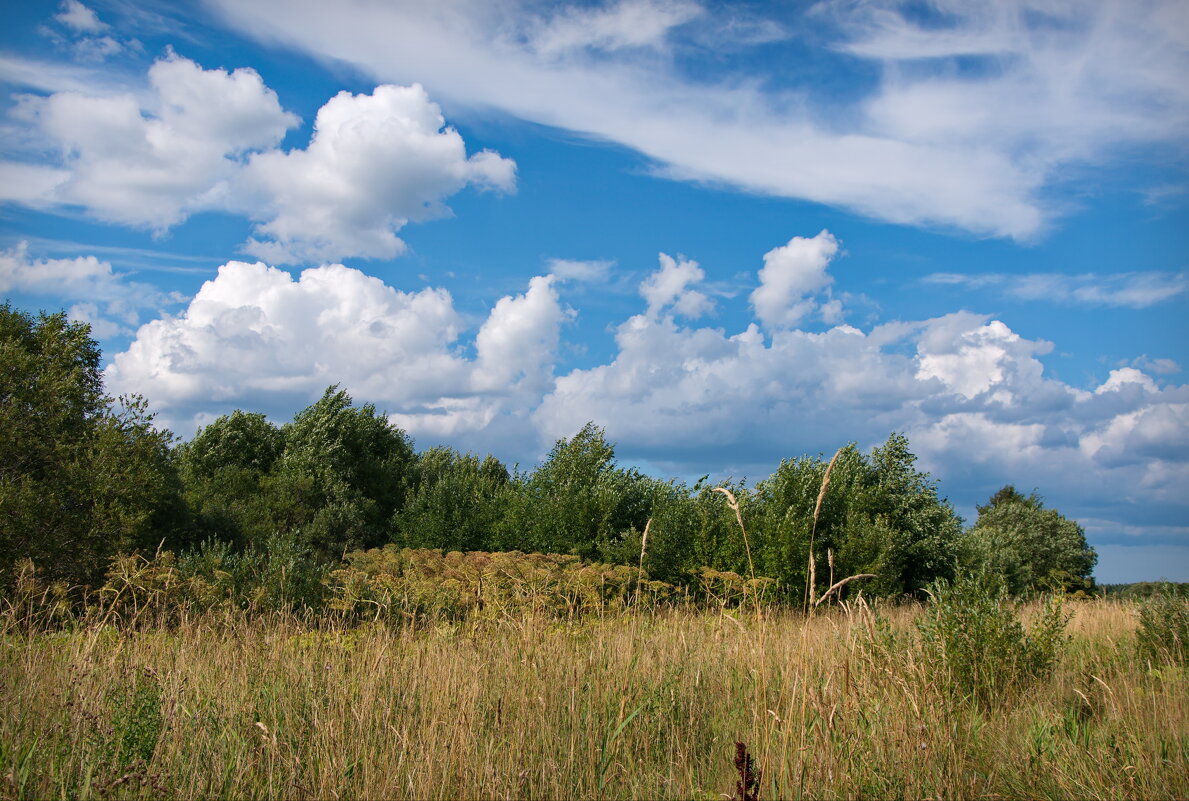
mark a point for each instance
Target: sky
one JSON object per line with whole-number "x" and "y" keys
{"x": 728, "y": 233}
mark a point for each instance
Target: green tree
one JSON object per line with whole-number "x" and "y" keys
{"x": 343, "y": 473}
{"x": 458, "y": 502}
{"x": 879, "y": 515}
{"x": 82, "y": 476}
{"x": 577, "y": 501}
{"x": 1031, "y": 547}
{"x": 224, "y": 469}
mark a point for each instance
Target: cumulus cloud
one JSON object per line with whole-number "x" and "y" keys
{"x": 207, "y": 140}
{"x": 667, "y": 289}
{"x": 517, "y": 344}
{"x": 976, "y": 110}
{"x": 256, "y": 336}
{"x": 106, "y": 299}
{"x": 1136, "y": 290}
{"x": 154, "y": 170}
{"x": 792, "y": 274}
{"x": 374, "y": 163}
{"x": 971, "y": 393}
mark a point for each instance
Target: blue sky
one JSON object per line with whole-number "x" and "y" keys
{"x": 726, "y": 232}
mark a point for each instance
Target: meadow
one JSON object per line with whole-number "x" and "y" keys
{"x": 644, "y": 701}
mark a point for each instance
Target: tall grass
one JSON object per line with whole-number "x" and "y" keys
{"x": 623, "y": 705}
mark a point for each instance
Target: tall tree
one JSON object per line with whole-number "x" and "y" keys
{"x": 577, "y": 500}
{"x": 343, "y": 473}
{"x": 1030, "y": 546}
{"x": 81, "y": 475}
{"x": 458, "y": 502}
{"x": 880, "y": 515}
{"x": 224, "y": 470}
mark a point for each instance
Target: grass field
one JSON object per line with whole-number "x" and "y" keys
{"x": 632, "y": 705}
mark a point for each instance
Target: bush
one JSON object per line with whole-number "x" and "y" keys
{"x": 1163, "y": 634}
{"x": 420, "y": 582}
{"x": 972, "y": 635}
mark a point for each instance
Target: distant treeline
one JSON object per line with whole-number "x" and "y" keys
{"x": 1145, "y": 589}
{"x": 84, "y": 477}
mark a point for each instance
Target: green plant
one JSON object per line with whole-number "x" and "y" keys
{"x": 1163, "y": 634}
{"x": 136, "y": 719}
{"x": 972, "y": 636}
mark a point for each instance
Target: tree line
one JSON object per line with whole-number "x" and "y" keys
{"x": 85, "y": 477}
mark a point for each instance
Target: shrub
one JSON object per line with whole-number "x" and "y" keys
{"x": 1163, "y": 634}
{"x": 423, "y": 582}
{"x": 972, "y": 635}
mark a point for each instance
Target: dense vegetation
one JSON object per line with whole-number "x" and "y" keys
{"x": 85, "y": 478}
{"x": 949, "y": 700}
{"x": 317, "y": 610}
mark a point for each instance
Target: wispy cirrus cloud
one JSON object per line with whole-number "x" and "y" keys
{"x": 975, "y": 110}
{"x": 1135, "y": 290}
{"x": 111, "y": 301}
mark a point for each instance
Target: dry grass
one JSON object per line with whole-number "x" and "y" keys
{"x": 629, "y": 706}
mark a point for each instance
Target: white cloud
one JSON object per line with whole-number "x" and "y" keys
{"x": 791, "y": 275}
{"x": 931, "y": 142}
{"x": 626, "y": 24}
{"x": 1121, "y": 378}
{"x": 667, "y": 289}
{"x": 97, "y": 48}
{"x": 256, "y": 337}
{"x": 375, "y": 162}
{"x": 19, "y": 273}
{"x": 254, "y": 332}
{"x": 85, "y": 279}
{"x": 154, "y": 171}
{"x": 1136, "y": 290}
{"x": 78, "y": 17}
{"x": 29, "y": 184}
{"x": 517, "y": 345}
{"x": 207, "y": 140}
{"x": 970, "y": 392}
{"x": 1157, "y": 366}
{"x": 970, "y": 357}
{"x": 57, "y": 76}
{"x": 593, "y": 271}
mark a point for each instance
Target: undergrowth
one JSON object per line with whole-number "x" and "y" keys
{"x": 642, "y": 701}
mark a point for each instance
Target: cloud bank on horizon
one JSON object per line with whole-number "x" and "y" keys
{"x": 968, "y": 391}
{"x": 955, "y": 117}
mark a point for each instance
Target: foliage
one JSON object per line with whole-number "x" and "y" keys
{"x": 458, "y": 502}
{"x": 136, "y": 718}
{"x": 82, "y": 476}
{"x": 403, "y": 582}
{"x": 577, "y": 501}
{"x": 275, "y": 575}
{"x": 1031, "y": 547}
{"x": 1144, "y": 589}
{"x": 1163, "y": 634}
{"x": 224, "y": 470}
{"x": 344, "y": 472}
{"x": 880, "y": 515}
{"x": 972, "y": 634}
